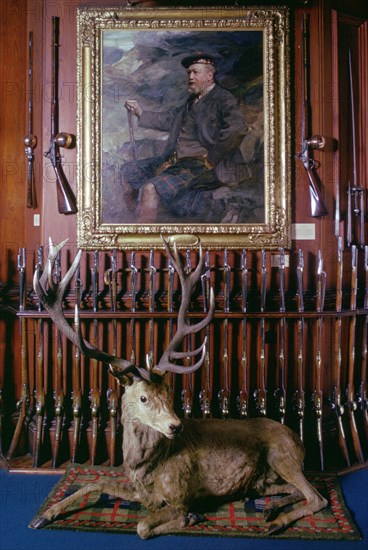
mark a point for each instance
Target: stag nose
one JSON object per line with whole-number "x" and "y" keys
{"x": 176, "y": 428}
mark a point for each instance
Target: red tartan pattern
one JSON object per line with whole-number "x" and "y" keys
{"x": 234, "y": 519}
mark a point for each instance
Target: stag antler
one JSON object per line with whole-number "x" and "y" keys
{"x": 184, "y": 328}
{"x": 51, "y": 295}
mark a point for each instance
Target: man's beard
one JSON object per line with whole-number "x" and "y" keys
{"x": 194, "y": 89}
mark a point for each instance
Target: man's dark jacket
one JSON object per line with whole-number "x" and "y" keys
{"x": 220, "y": 129}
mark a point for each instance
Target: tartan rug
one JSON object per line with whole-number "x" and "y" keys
{"x": 234, "y": 519}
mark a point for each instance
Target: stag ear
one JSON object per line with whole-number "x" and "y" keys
{"x": 123, "y": 379}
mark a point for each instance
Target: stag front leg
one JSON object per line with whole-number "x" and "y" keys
{"x": 125, "y": 491}
{"x": 166, "y": 520}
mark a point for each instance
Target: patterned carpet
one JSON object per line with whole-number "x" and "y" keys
{"x": 235, "y": 519}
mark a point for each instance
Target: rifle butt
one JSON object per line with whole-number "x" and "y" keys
{"x": 57, "y": 441}
{"x": 113, "y": 406}
{"x": 31, "y": 189}
{"x": 77, "y": 403}
{"x": 342, "y": 443}
{"x": 320, "y": 442}
{"x": 76, "y": 438}
{"x": 355, "y": 436}
{"x": 65, "y": 197}
{"x": 17, "y": 432}
{"x": 39, "y": 426}
{"x": 318, "y": 207}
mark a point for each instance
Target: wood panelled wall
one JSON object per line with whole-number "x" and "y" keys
{"x": 334, "y": 26}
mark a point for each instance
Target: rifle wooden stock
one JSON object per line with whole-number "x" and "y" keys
{"x": 40, "y": 394}
{"x": 152, "y": 294}
{"x": 65, "y": 197}
{"x": 59, "y": 400}
{"x": 243, "y": 398}
{"x": 225, "y": 373}
{"x": 300, "y": 393}
{"x": 363, "y": 401}
{"x": 77, "y": 405}
{"x": 205, "y": 395}
{"x": 261, "y": 392}
{"x": 281, "y": 390}
{"x": 40, "y": 391}
{"x": 225, "y": 392}
{"x": 336, "y": 397}
{"x": 188, "y": 385}
{"x": 24, "y": 402}
{"x": 317, "y": 205}
{"x": 76, "y": 378}
{"x": 351, "y": 403}
{"x": 95, "y": 398}
{"x": 1, "y": 421}
{"x": 95, "y": 394}
{"x": 134, "y": 272}
{"x": 318, "y": 392}
{"x": 299, "y": 397}
{"x": 112, "y": 393}
{"x": 188, "y": 379}
{"x": 95, "y": 418}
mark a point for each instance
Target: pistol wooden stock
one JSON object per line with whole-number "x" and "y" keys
{"x": 336, "y": 401}
{"x": 351, "y": 403}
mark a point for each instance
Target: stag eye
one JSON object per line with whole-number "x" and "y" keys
{"x": 143, "y": 399}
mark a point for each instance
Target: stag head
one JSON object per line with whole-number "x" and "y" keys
{"x": 51, "y": 293}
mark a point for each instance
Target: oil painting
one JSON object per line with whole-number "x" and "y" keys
{"x": 189, "y": 128}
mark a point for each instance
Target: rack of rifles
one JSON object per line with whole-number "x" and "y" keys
{"x": 274, "y": 349}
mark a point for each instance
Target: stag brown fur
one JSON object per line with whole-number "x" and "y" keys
{"x": 175, "y": 465}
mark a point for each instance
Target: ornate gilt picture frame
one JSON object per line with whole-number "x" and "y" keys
{"x": 238, "y": 198}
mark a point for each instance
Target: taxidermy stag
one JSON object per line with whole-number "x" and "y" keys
{"x": 174, "y": 465}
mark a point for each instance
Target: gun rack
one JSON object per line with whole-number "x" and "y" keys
{"x": 278, "y": 346}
